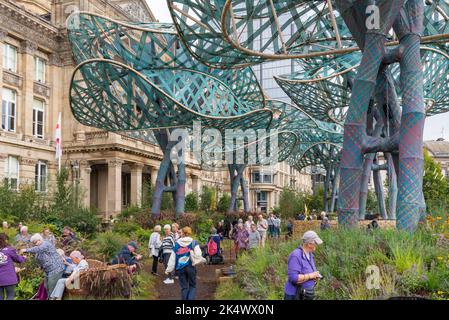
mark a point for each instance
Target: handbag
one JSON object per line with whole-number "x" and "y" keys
{"x": 194, "y": 258}
{"x": 304, "y": 294}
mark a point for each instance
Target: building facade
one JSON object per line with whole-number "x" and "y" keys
{"x": 37, "y": 65}
{"x": 439, "y": 151}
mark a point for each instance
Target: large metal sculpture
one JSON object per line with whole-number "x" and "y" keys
{"x": 143, "y": 77}
{"x": 137, "y": 78}
{"x": 367, "y": 97}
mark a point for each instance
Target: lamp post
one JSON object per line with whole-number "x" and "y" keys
{"x": 76, "y": 178}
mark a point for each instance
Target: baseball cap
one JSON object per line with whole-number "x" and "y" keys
{"x": 311, "y": 236}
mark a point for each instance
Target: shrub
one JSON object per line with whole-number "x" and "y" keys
{"x": 125, "y": 228}
{"x": 106, "y": 245}
{"x": 191, "y": 202}
{"x": 409, "y": 264}
{"x": 224, "y": 203}
{"x": 207, "y": 197}
{"x": 30, "y": 279}
{"x": 82, "y": 220}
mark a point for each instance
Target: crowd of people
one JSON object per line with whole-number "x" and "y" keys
{"x": 179, "y": 254}
{"x": 173, "y": 247}
{"x": 58, "y": 269}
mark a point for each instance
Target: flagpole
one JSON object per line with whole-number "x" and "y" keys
{"x": 58, "y": 140}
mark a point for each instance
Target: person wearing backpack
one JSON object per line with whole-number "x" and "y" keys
{"x": 185, "y": 255}
{"x": 213, "y": 243}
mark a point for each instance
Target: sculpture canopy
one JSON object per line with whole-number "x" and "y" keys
{"x": 135, "y": 78}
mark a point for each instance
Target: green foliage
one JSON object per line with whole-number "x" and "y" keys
{"x": 315, "y": 200}
{"x": 167, "y": 203}
{"x": 224, "y": 203}
{"x": 147, "y": 194}
{"x": 207, "y": 198}
{"x": 125, "y": 228}
{"x": 63, "y": 196}
{"x": 435, "y": 185}
{"x": 30, "y": 279}
{"x": 26, "y": 204}
{"x": 292, "y": 202}
{"x": 203, "y": 227}
{"x": 371, "y": 202}
{"x": 409, "y": 264}
{"x": 192, "y": 202}
{"x": 106, "y": 245}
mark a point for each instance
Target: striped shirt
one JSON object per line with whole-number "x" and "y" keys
{"x": 168, "y": 243}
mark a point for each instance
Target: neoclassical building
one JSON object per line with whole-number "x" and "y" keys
{"x": 36, "y": 65}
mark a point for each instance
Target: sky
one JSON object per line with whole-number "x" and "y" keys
{"x": 434, "y": 128}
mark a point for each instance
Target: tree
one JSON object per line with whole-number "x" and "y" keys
{"x": 291, "y": 202}
{"x": 224, "y": 203}
{"x": 207, "y": 198}
{"x": 435, "y": 185}
{"x": 192, "y": 202}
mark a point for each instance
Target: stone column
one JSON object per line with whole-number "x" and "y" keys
{"x": 114, "y": 204}
{"x": 25, "y": 125}
{"x": 85, "y": 171}
{"x": 136, "y": 184}
{"x": 154, "y": 171}
{"x": 195, "y": 184}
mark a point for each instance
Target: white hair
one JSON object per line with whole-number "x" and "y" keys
{"x": 157, "y": 228}
{"x": 36, "y": 237}
{"x": 76, "y": 254}
{"x": 167, "y": 227}
{"x": 24, "y": 228}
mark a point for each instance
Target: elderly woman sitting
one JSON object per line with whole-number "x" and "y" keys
{"x": 23, "y": 237}
{"x": 79, "y": 264}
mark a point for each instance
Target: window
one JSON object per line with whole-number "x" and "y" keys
{"x": 39, "y": 64}
{"x": 9, "y": 110}
{"x": 256, "y": 177}
{"x": 12, "y": 172}
{"x": 38, "y": 118}
{"x": 10, "y": 57}
{"x": 262, "y": 196}
{"x": 260, "y": 177}
{"x": 41, "y": 177}
{"x": 267, "y": 178}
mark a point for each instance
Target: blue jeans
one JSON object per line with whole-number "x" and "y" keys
{"x": 271, "y": 230}
{"x": 187, "y": 280}
{"x": 58, "y": 292}
{"x": 277, "y": 232}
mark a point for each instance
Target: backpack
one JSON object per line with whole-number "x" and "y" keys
{"x": 212, "y": 247}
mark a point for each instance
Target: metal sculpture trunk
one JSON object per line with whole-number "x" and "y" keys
{"x": 167, "y": 172}
{"x": 407, "y": 21}
{"x": 237, "y": 179}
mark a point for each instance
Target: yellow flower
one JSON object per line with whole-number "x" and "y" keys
{"x": 440, "y": 292}
{"x": 439, "y": 218}
{"x": 440, "y": 258}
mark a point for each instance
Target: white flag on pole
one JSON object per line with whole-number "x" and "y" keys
{"x": 58, "y": 139}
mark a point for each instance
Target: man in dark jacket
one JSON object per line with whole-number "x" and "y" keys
{"x": 128, "y": 255}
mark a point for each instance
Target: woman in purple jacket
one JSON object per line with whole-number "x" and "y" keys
{"x": 302, "y": 273}
{"x": 8, "y": 276}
